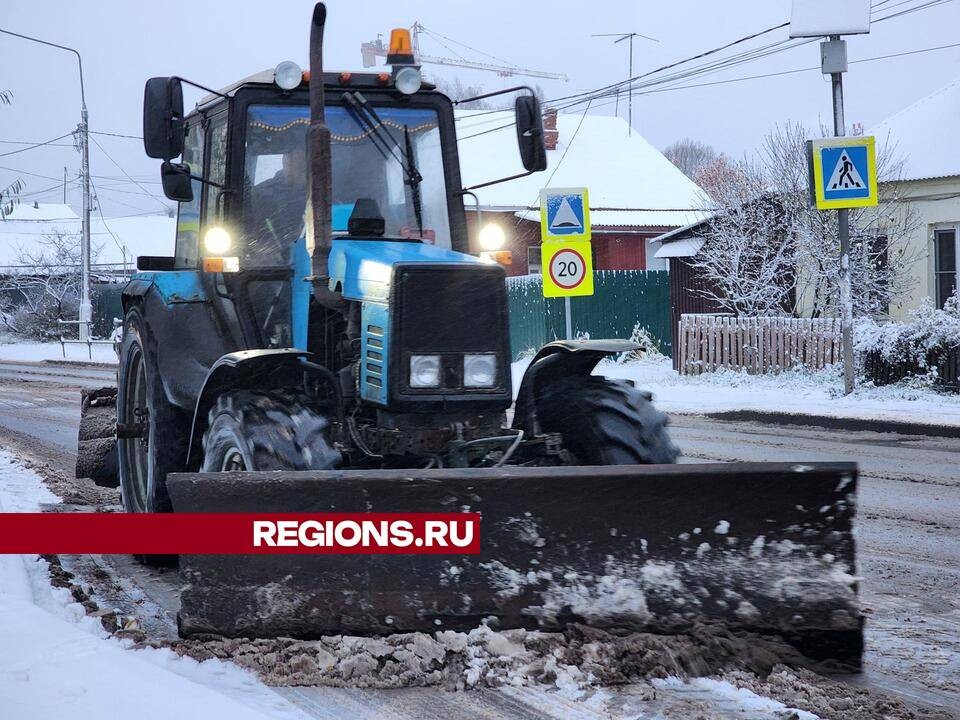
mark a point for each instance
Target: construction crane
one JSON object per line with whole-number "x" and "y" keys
{"x": 376, "y": 48}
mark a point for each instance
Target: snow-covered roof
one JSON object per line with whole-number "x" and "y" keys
{"x": 631, "y": 183}
{"x": 687, "y": 247}
{"x": 41, "y": 212}
{"x": 25, "y": 228}
{"x": 923, "y": 134}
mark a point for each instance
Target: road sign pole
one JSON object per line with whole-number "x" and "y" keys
{"x": 567, "y": 317}
{"x": 843, "y": 222}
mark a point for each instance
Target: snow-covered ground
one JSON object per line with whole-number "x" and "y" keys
{"x": 57, "y": 662}
{"x": 799, "y": 391}
{"x": 38, "y": 352}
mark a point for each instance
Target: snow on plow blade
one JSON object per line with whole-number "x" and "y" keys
{"x": 759, "y": 547}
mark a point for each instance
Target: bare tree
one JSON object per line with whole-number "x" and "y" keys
{"x": 9, "y": 195}
{"x": 689, "y": 155}
{"x": 43, "y": 288}
{"x": 765, "y": 230}
{"x": 713, "y": 177}
{"x": 456, "y": 90}
{"x": 750, "y": 252}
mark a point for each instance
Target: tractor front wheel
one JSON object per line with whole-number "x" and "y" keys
{"x": 605, "y": 421}
{"x": 251, "y": 430}
{"x": 151, "y": 440}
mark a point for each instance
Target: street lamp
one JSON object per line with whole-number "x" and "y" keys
{"x": 86, "y": 308}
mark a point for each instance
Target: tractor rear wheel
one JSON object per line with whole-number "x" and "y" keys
{"x": 605, "y": 421}
{"x": 251, "y": 430}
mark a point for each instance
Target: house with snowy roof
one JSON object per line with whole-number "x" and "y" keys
{"x": 636, "y": 194}
{"x": 116, "y": 241}
{"x": 923, "y": 137}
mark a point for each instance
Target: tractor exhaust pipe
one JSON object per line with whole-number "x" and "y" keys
{"x": 318, "y": 209}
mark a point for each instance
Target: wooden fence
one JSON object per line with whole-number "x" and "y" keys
{"x": 756, "y": 344}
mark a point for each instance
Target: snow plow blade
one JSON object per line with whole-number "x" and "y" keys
{"x": 755, "y": 547}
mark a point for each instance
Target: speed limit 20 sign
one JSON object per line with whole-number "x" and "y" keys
{"x": 567, "y": 269}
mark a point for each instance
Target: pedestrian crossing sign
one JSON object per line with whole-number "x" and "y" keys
{"x": 843, "y": 172}
{"x": 564, "y": 214}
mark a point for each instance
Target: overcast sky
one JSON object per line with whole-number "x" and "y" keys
{"x": 218, "y": 41}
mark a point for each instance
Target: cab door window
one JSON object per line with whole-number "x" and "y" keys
{"x": 188, "y": 218}
{"x": 216, "y": 169}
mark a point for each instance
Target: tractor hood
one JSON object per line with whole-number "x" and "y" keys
{"x": 363, "y": 269}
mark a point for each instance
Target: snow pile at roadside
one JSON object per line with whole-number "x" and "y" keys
{"x": 55, "y": 661}
{"x": 39, "y": 352}
{"x": 573, "y": 662}
{"x": 795, "y": 391}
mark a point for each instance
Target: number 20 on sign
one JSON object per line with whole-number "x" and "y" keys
{"x": 567, "y": 269}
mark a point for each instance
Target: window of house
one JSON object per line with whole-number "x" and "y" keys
{"x": 533, "y": 260}
{"x": 945, "y": 265}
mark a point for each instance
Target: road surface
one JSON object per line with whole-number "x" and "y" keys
{"x": 908, "y": 536}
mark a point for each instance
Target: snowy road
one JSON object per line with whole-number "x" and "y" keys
{"x": 909, "y": 536}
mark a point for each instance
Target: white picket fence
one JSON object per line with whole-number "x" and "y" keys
{"x": 756, "y": 344}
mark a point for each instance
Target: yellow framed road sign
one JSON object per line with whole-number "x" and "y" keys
{"x": 564, "y": 214}
{"x": 843, "y": 172}
{"x": 567, "y": 269}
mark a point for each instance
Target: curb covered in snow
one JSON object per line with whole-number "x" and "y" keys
{"x": 835, "y": 423}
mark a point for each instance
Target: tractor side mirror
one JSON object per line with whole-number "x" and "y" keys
{"x": 533, "y": 152}
{"x": 163, "y": 125}
{"x": 176, "y": 181}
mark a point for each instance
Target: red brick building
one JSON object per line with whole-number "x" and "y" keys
{"x": 636, "y": 194}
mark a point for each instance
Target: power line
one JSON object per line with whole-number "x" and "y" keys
{"x": 643, "y": 88}
{"x": 31, "y": 174}
{"x": 120, "y": 245}
{"x": 113, "y": 134}
{"x": 36, "y": 145}
{"x": 799, "y": 70}
{"x": 457, "y": 42}
{"x": 127, "y": 175}
{"x": 713, "y": 66}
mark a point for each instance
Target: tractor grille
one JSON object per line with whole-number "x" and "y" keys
{"x": 452, "y": 309}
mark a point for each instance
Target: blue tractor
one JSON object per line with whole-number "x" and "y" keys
{"x": 322, "y": 313}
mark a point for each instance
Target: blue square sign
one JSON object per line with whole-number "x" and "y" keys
{"x": 843, "y": 172}
{"x": 564, "y": 214}
{"x": 846, "y": 173}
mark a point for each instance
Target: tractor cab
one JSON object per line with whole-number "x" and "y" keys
{"x": 244, "y": 178}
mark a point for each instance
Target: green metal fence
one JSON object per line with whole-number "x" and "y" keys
{"x": 107, "y": 305}
{"x": 622, "y": 298}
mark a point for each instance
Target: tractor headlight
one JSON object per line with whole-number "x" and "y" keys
{"x": 217, "y": 241}
{"x": 492, "y": 237}
{"x": 480, "y": 371}
{"x": 287, "y": 75}
{"x": 407, "y": 80}
{"x": 424, "y": 371}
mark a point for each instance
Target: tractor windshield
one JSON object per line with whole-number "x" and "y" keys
{"x": 366, "y": 165}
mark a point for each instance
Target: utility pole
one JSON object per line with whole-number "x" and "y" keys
{"x": 64, "y": 184}
{"x": 83, "y": 130}
{"x": 86, "y": 306}
{"x": 620, "y": 38}
{"x": 843, "y": 219}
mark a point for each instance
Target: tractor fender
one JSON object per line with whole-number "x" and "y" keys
{"x": 562, "y": 358}
{"x": 239, "y": 370}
